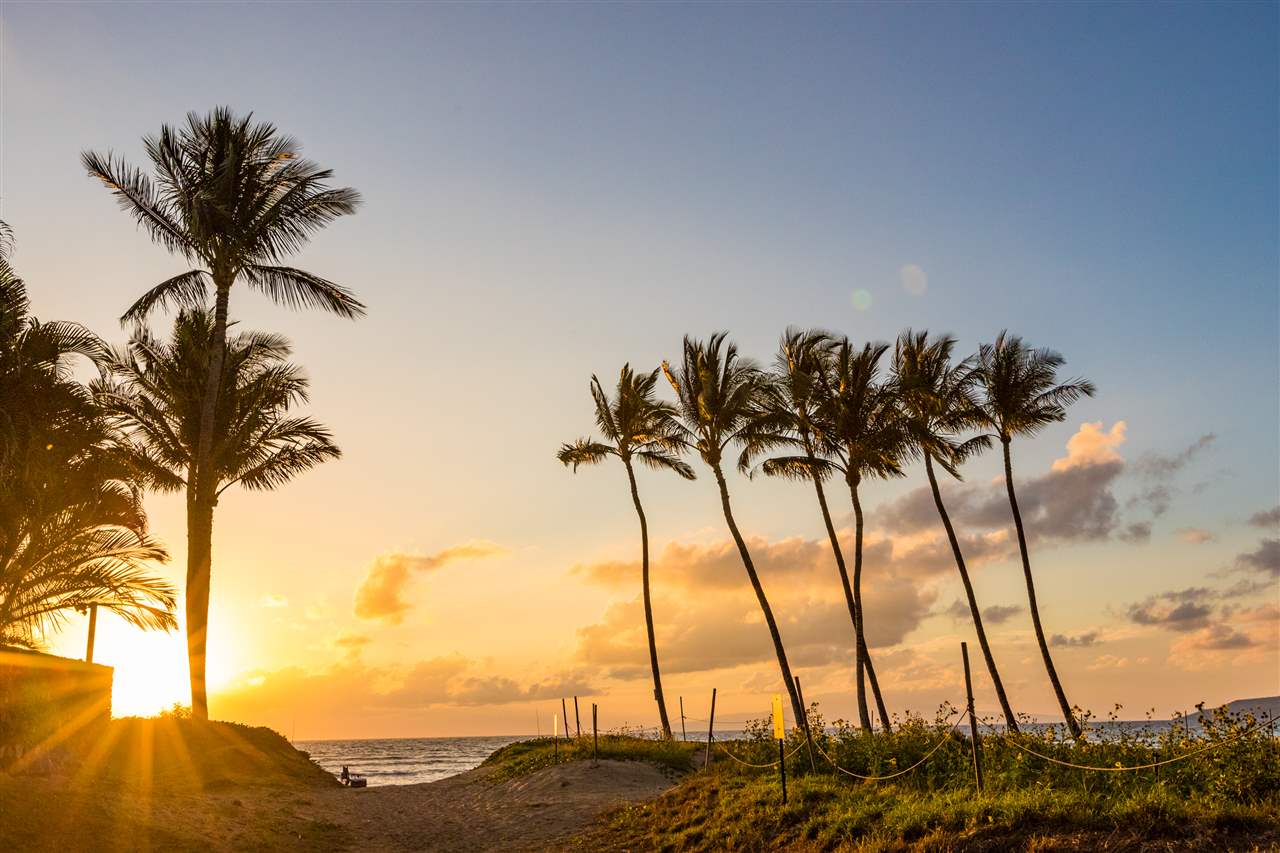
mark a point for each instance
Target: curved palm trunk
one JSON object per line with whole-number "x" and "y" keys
{"x": 200, "y": 506}
{"x": 1010, "y": 721}
{"x": 796, "y": 708}
{"x": 648, "y": 607}
{"x": 1067, "y": 715}
{"x": 864, "y": 656}
{"x": 848, "y": 596}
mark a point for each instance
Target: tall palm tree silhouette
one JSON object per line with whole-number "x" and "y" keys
{"x": 1022, "y": 396}
{"x": 938, "y": 405}
{"x": 794, "y": 403}
{"x": 237, "y": 198}
{"x": 156, "y": 390}
{"x": 638, "y": 427}
{"x": 863, "y": 436}
{"x": 719, "y": 395}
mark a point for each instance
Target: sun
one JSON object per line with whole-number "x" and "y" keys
{"x": 150, "y": 666}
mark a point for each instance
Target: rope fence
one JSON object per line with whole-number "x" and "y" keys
{"x": 941, "y": 743}
{"x": 1175, "y": 759}
{"x": 773, "y": 763}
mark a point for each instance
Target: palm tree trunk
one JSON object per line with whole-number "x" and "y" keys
{"x": 1010, "y": 721}
{"x": 199, "y": 553}
{"x": 1031, "y": 597}
{"x": 796, "y": 707}
{"x": 848, "y": 597}
{"x": 648, "y": 606}
{"x": 864, "y": 717}
{"x": 200, "y": 505}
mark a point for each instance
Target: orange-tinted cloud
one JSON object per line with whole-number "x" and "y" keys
{"x": 381, "y": 594}
{"x": 1092, "y": 445}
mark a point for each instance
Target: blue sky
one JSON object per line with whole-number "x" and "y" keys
{"x": 552, "y": 190}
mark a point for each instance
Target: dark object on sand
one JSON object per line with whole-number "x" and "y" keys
{"x": 351, "y": 780}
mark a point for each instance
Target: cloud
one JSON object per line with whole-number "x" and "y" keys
{"x": 1265, "y": 558}
{"x": 273, "y": 602}
{"x": 1194, "y": 535}
{"x": 1179, "y": 610}
{"x": 1108, "y": 662}
{"x": 447, "y": 680}
{"x": 998, "y": 614}
{"x": 1092, "y": 445}
{"x": 1157, "y": 471}
{"x": 1137, "y": 532}
{"x": 707, "y": 616}
{"x": 1249, "y": 634}
{"x": 351, "y": 644}
{"x": 1079, "y": 641}
{"x": 1072, "y": 502}
{"x": 1268, "y": 518}
{"x": 913, "y": 279}
{"x": 381, "y": 594}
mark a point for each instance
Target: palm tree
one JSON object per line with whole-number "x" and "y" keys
{"x": 156, "y": 392}
{"x": 937, "y": 403}
{"x": 719, "y": 394}
{"x": 1022, "y": 396}
{"x": 236, "y": 198}
{"x": 794, "y": 401}
{"x": 72, "y": 532}
{"x": 641, "y": 427}
{"x": 863, "y": 437}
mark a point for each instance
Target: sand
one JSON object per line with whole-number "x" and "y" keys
{"x": 468, "y": 812}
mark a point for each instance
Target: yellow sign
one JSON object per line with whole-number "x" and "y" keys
{"x": 779, "y": 724}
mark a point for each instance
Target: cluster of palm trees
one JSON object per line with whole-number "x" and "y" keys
{"x": 830, "y": 410}
{"x": 197, "y": 413}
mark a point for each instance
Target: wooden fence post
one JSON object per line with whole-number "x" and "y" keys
{"x": 684, "y": 735}
{"x": 711, "y": 725}
{"x": 973, "y": 720}
{"x": 808, "y": 736}
{"x": 564, "y": 715}
{"x": 576, "y": 719}
{"x": 595, "y": 733}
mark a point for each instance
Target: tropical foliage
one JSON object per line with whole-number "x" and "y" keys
{"x": 236, "y": 198}
{"x": 154, "y": 391}
{"x": 73, "y": 533}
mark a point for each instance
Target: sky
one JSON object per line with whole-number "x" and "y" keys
{"x": 553, "y": 190}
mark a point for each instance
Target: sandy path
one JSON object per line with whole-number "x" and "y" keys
{"x": 470, "y": 813}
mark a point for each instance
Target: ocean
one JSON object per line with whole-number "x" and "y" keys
{"x": 406, "y": 761}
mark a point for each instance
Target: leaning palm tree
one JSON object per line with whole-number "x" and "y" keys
{"x": 863, "y": 437}
{"x": 638, "y": 427}
{"x": 719, "y": 395}
{"x": 938, "y": 406}
{"x": 156, "y": 391}
{"x": 1022, "y": 396}
{"x": 793, "y": 402}
{"x": 72, "y": 532}
{"x": 236, "y": 198}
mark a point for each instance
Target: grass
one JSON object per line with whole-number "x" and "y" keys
{"x": 1227, "y": 798}
{"x": 524, "y": 757}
